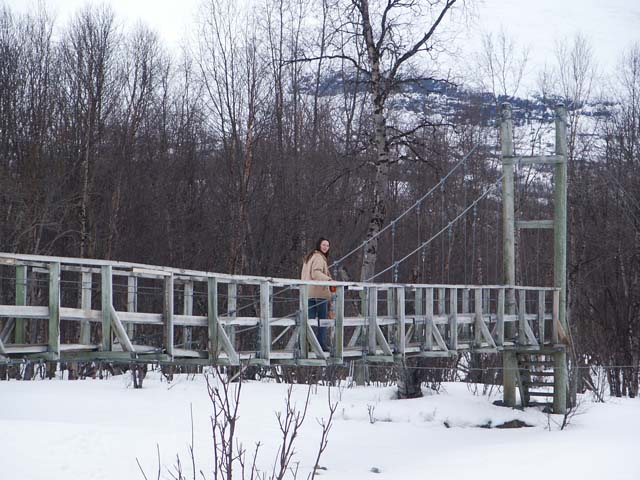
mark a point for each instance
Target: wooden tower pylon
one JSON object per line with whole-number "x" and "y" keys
{"x": 511, "y": 367}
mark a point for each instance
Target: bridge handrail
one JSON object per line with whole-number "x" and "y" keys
{"x": 154, "y": 271}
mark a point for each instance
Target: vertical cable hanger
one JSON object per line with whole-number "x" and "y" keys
{"x": 464, "y": 226}
{"x": 393, "y": 252}
{"x": 473, "y": 242}
{"x": 420, "y": 272}
{"x": 442, "y": 217}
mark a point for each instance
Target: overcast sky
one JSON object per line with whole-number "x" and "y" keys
{"x": 609, "y": 25}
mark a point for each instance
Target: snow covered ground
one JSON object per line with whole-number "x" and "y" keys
{"x": 95, "y": 429}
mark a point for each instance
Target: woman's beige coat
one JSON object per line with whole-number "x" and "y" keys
{"x": 316, "y": 268}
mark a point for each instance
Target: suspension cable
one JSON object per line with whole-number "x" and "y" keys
{"x": 411, "y": 208}
{"x": 443, "y": 229}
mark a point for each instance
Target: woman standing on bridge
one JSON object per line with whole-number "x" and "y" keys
{"x": 316, "y": 267}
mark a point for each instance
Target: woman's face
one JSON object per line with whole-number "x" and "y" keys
{"x": 324, "y": 246}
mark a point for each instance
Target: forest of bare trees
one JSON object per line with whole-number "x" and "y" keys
{"x": 282, "y": 124}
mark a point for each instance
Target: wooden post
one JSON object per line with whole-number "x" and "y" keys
{"x": 168, "y": 315}
{"x": 54, "y": 310}
{"x": 265, "y": 318}
{"x": 560, "y": 382}
{"x": 522, "y": 309}
{"x": 560, "y": 213}
{"x": 303, "y": 308}
{"x": 187, "y": 309}
{"x": 419, "y": 314}
{"x": 477, "y": 300}
{"x": 391, "y": 312}
{"x": 212, "y": 318}
{"x": 132, "y": 303}
{"x": 508, "y": 216}
{"x": 509, "y": 367}
{"x": 232, "y": 307}
{"x": 428, "y": 312}
{"x": 541, "y": 308}
{"x": 466, "y": 329}
{"x": 372, "y": 323}
{"x": 560, "y": 256}
{"x": 339, "y": 344}
{"x": 453, "y": 318}
{"x": 400, "y": 321}
{"x": 555, "y": 335}
{"x": 20, "y": 328}
{"x": 107, "y": 301}
{"x": 500, "y": 318}
{"x": 465, "y": 300}
{"x": 441, "y": 301}
{"x": 85, "y": 305}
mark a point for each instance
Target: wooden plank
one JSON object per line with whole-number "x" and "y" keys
{"x": 85, "y": 304}
{"x": 441, "y": 301}
{"x": 391, "y": 302}
{"x": 541, "y": 316}
{"x": 522, "y": 306}
{"x": 265, "y": 327}
{"x": 20, "y": 326}
{"x": 54, "y": 310}
{"x": 465, "y": 300}
{"x": 478, "y": 319}
{"x": 120, "y": 331}
{"x": 453, "y": 319}
{"x": 481, "y": 329}
{"x": 219, "y": 340}
{"x": 107, "y": 300}
{"x": 7, "y": 330}
{"x": 132, "y": 303}
{"x": 500, "y": 317}
{"x": 312, "y": 340}
{"x": 382, "y": 341}
{"x": 168, "y": 311}
{"x": 428, "y": 329}
{"x": 372, "y": 316}
{"x": 355, "y": 335}
{"x": 401, "y": 326}
{"x": 439, "y": 340}
{"x": 303, "y": 317}
{"x": 187, "y": 310}
{"x": 419, "y": 315}
{"x": 212, "y": 318}
{"x": 534, "y": 224}
{"x": 408, "y": 338}
{"x": 532, "y": 160}
{"x": 125, "y": 269}
{"x": 339, "y": 343}
{"x": 435, "y": 354}
{"x": 232, "y": 307}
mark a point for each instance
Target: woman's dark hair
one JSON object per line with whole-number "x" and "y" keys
{"x": 317, "y": 249}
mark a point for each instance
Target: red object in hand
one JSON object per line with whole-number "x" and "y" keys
{"x": 332, "y": 289}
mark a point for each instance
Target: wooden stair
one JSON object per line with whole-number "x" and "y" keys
{"x": 535, "y": 378}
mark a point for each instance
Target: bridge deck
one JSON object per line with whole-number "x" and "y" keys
{"x": 57, "y": 308}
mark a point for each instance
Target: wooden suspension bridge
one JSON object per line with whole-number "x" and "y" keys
{"x": 74, "y": 310}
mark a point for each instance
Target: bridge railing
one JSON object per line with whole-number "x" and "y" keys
{"x": 67, "y": 309}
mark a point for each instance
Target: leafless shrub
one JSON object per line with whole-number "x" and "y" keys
{"x": 229, "y": 454}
